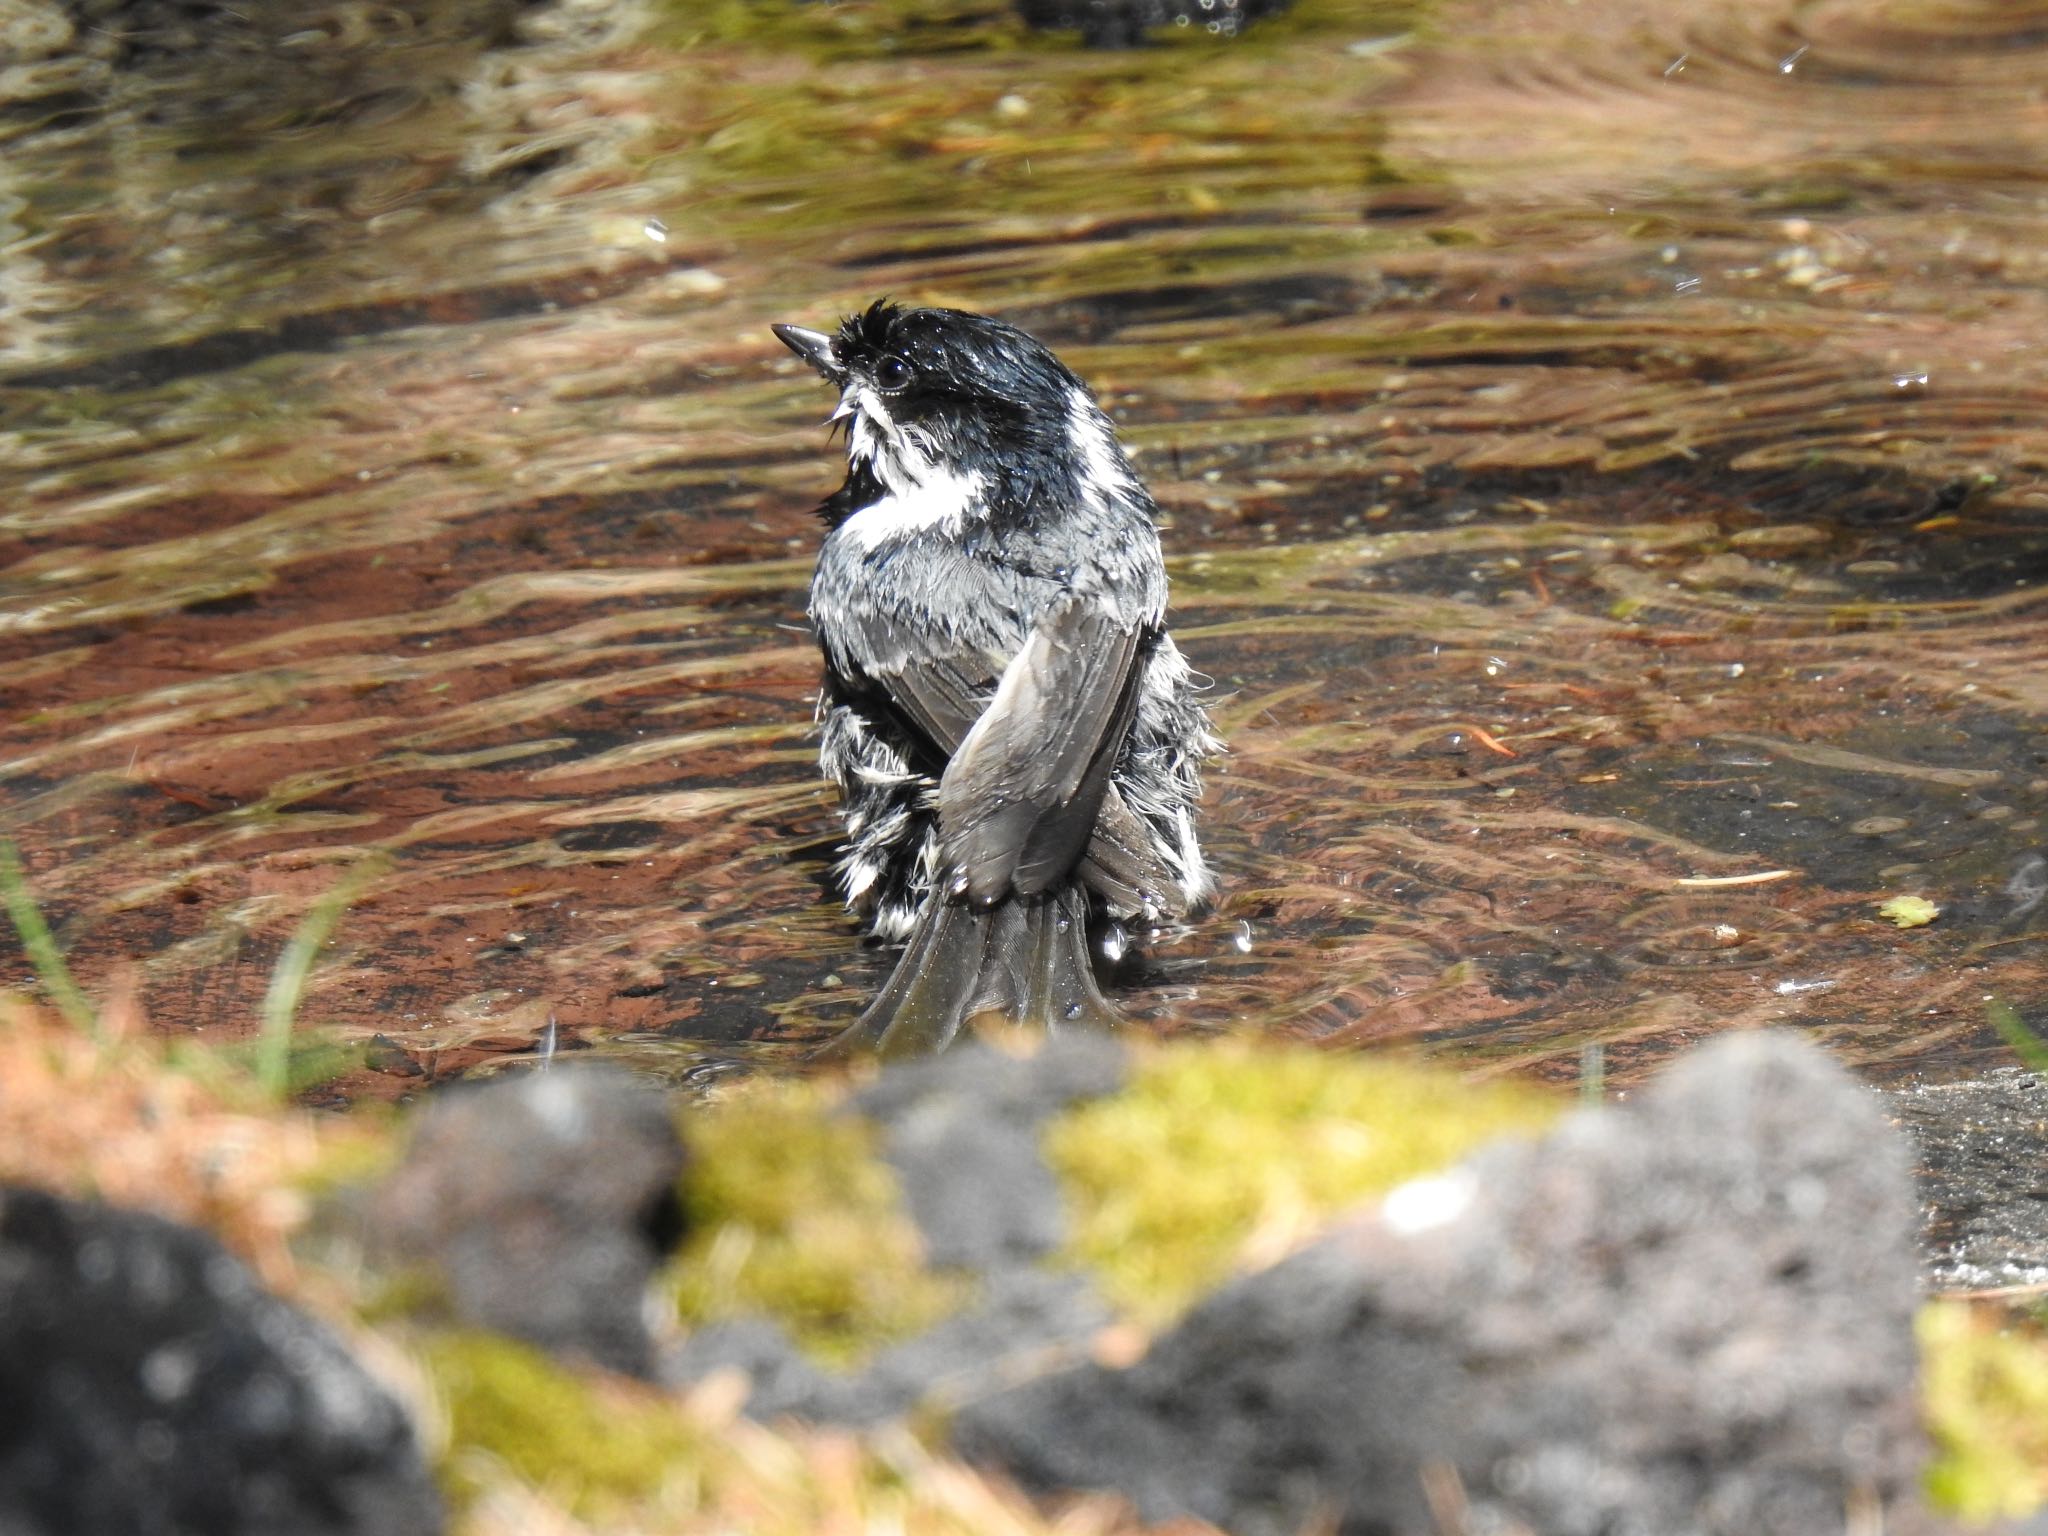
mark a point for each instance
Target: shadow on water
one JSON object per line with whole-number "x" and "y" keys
{"x": 1603, "y": 449}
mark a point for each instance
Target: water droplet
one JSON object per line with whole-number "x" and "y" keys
{"x": 1676, "y": 67}
{"x": 1910, "y": 381}
{"x": 1791, "y": 60}
{"x": 1241, "y": 941}
{"x": 656, "y": 231}
{"x": 1495, "y": 666}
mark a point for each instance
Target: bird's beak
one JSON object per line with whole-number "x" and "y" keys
{"x": 814, "y": 347}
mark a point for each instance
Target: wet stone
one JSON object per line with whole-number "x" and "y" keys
{"x": 150, "y": 1385}
{"x": 1983, "y": 1155}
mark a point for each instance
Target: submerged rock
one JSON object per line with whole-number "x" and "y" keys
{"x": 150, "y": 1386}
{"x": 1124, "y": 23}
{"x": 544, "y": 1204}
{"x": 1691, "y": 1314}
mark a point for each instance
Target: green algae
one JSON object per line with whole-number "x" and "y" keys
{"x": 1215, "y": 1147}
{"x": 793, "y": 1216}
{"x": 1984, "y": 1388}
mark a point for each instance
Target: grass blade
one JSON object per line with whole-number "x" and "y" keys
{"x": 288, "y": 976}
{"x": 1592, "y": 1072}
{"x": 40, "y": 946}
{"x": 2031, "y": 1049}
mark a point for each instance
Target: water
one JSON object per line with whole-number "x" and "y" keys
{"x": 1603, "y": 446}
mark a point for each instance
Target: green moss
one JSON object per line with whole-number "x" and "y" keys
{"x": 1985, "y": 1390}
{"x": 793, "y": 1215}
{"x": 1213, "y": 1147}
{"x": 594, "y": 1447}
{"x": 368, "y": 1151}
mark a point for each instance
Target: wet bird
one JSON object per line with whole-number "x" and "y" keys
{"x": 1016, "y": 740}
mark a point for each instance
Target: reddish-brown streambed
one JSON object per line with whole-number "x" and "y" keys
{"x": 1603, "y": 446}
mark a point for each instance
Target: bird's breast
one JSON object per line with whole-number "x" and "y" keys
{"x": 922, "y": 591}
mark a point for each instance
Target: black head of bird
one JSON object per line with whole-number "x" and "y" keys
{"x": 934, "y": 397}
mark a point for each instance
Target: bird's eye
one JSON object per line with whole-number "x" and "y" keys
{"x": 892, "y": 374}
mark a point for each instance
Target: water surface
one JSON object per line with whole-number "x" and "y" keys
{"x": 1602, "y": 442}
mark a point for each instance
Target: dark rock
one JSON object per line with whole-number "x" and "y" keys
{"x": 1983, "y": 1169}
{"x": 782, "y": 1379}
{"x": 1688, "y": 1315}
{"x": 149, "y": 1386}
{"x": 1023, "y": 1319}
{"x": 544, "y": 1202}
{"x": 961, "y": 1130}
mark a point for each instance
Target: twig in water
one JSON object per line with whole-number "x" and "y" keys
{"x": 1761, "y": 877}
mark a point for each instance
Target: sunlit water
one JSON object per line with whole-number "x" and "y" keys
{"x": 1603, "y": 445}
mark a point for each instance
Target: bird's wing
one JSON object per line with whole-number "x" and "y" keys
{"x": 1019, "y": 800}
{"x": 942, "y": 696}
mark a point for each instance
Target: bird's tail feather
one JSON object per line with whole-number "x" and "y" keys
{"x": 1019, "y": 961}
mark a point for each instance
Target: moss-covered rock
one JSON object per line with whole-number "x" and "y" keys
{"x": 793, "y": 1215}
{"x": 595, "y": 1445}
{"x": 1218, "y": 1154}
{"x": 1214, "y": 1155}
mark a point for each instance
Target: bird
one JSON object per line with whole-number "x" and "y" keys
{"x": 1017, "y": 742}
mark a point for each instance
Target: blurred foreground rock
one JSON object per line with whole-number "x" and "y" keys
{"x": 544, "y": 1203}
{"x": 961, "y": 1132}
{"x": 149, "y": 1386}
{"x": 1690, "y": 1314}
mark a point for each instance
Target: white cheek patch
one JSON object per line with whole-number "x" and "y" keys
{"x": 944, "y": 502}
{"x": 922, "y": 493}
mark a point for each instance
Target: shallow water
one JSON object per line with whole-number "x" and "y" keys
{"x": 1603, "y": 445}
